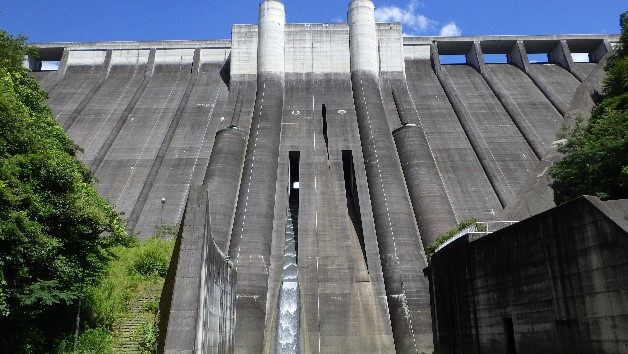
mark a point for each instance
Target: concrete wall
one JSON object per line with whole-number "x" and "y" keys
{"x": 560, "y": 278}
{"x": 197, "y": 309}
{"x": 317, "y": 48}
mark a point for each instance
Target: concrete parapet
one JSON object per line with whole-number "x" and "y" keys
{"x": 198, "y": 300}
{"x": 317, "y": 48}
{"x": 130, "y": 57}
{"x": 86, "y": 57}
{"x": 214, "y": 55}
{"x": 174, "y": 56}
{"x": 243, "y": 50}
{"x": 417, "y": 52}
{"x": 390, "y": 43}
{"x": 331, "y": 49}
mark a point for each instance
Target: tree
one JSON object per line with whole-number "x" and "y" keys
{"x": 55, "y": 231}
{"x": 596, "y": 154}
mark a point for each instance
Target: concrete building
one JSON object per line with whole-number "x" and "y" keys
{"x": 554, "y": 283}
{"x": 378, "y": 145}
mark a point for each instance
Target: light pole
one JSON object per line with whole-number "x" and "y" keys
{"x": 161, "y": 221}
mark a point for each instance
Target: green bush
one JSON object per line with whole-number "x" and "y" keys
{"x": 90, "y": 341}
{"x": 442, "y": 238}
{"x": 148, "y": 338}
{"x": 153, "y": 260}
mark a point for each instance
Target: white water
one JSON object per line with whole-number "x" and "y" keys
{"x": 288, "y": 327}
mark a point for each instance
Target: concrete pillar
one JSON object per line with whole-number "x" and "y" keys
{"x": 519, "y": 57}
{"x": 600, "y": 51}
{"x": 561, "y": 55}
{"x": 31, "y": 63}
{"x": 475, "y": 58}
{"x": 435, "y": 57}
{"x": 271, "y": 37}
{"x": 363, "y": 37}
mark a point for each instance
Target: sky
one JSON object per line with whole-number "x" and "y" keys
{"x": 141, "y": 20}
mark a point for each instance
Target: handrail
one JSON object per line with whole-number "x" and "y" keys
{"x": 480, "y": 227}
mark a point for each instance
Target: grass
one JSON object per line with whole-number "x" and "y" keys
{"x": 442, "y": 238}
{"x": 137, "y": 273}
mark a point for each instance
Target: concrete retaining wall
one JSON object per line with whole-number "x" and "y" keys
{"x": 557, "y": 282}
{"x": 198, "y": 301}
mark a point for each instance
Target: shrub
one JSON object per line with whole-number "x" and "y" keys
{"x": 153, "y": 261}
{"x": 442, "y": 238}
{"x": 90, "y": 341}
{"x": 148, "y": 337}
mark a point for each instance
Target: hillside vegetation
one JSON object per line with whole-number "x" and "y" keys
{"x": 56, "y": 233}
{"x": 596, "y": 153}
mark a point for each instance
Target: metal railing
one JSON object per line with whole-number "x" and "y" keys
{"x": 479, "y": 228}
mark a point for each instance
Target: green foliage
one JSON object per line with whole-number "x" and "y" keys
{"x": 442, "y": 238}
{"x": 596, "y": 154}
{"x": 148, "y": 338}
{"x": 90, "y": 341}
{"x": 616, "y": 81}
{"x": 107, "y": 302}
{"x": 56, "y": 233}
{"x": 153, "y": 261}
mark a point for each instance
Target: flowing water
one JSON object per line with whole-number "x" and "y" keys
{"x": 288, "y": 327}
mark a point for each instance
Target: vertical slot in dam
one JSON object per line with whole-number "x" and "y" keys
{"x": 288, "y": 325}
{"x": 353, "y": 201}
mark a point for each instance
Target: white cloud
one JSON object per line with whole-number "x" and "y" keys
{"x": 450, "y": 30}
{"x": 408, "y": 17}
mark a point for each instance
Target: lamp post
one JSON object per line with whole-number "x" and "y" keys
{"x": 161, "y": 221}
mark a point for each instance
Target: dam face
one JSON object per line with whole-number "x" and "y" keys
{"x": 360, "y": 134}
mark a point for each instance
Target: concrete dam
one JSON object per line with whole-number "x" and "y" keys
{"x": 315, "y": 161}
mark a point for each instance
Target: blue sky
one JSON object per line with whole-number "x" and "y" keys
{"x": 119, "y": 20}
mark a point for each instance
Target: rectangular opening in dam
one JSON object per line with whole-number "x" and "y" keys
{"x": 324, "y": 114}
{"x": 50, "y": 65}
{"x": 46, "y": 59}
{"x": 509, "y": 332}
{"x": 293, "y": 198}
{"x": 495, "y": 58}
{"x": 538, "y": 58}
{"x": 452, "y": 59}
{"x": 353, "y": 200}
{"x": 581, "y": 57}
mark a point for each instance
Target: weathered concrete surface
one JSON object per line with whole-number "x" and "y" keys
{"x": 559, "y": 280}
{"x": 536, "y": 195}
{"x": 197, "y": 309}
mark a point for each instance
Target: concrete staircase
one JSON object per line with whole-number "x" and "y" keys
{"x": 127, "y": 330}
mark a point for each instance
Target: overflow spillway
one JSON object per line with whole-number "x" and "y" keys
{"x": 288, "y": 322}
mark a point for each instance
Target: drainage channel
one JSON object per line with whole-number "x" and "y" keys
{"x": 289, "y": 307}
